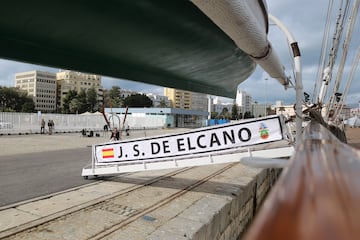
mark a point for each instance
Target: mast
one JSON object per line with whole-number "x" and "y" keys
{"x": 327, "y": 73}
{"x": 349, "y": 81}
{"x": 335, "y": 94}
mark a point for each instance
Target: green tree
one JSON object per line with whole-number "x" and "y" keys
{"x": 214, "y": 115}
{"x": 28, "y": 107}
{"x": 282, "y": 109}
{"x": 70, "y": 95}
{"x": 137, "y": 100}
{"x": 114, "y": 99}
{"x": 247, "y": 114}
{"x": 91, "y": 97}
{"x": 224, "y": 113}
{"x": 26, "y": 103}
{"x": 74, "y": 105}
{"x": 14, "y": 100}
{"x": 82, "y": 101}
{"x": 234, "y": 112}
{"x": 8, "y": 97}
{"x": 162, "y": 104}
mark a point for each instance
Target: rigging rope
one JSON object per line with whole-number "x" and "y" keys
{"x": 346, "y": 44}
{"x": 332, "y": 56}
{"x": 321, "y": 64}
{"x": 348, "y": 83}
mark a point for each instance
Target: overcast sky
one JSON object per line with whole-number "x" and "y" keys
{"x": 306, "y": 21}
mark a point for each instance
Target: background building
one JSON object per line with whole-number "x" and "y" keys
{"x": 218, "y": 106}
{"x": 138, "y": 118}
{"x": 178, "y": 98}
{"x": 186, "y": 99}
{"x": 71, "y": 80}
{"x": 199, "y": 101}
{"x": 243, "y": 100}
{"x": 41, "y": 86}
{"x": 260, "y": 110}
{"x": 159, "y": 101}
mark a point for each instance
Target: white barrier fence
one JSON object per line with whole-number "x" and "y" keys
{"x": 30, "y": 122}
{"x": 12, "y": 122}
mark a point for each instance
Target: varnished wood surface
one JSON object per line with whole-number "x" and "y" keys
{"x": 353, "y": 137}
{"x": 317, "y": 195}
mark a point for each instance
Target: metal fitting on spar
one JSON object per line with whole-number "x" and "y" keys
{"x": 270, "y": 62}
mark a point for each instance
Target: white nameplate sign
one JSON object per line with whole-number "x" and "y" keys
{"x": 208, "y": 139}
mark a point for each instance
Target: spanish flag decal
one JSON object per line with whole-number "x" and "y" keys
{"x": 108, "y": 152}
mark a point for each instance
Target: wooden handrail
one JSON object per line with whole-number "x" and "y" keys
{"x": 318, "y": 194}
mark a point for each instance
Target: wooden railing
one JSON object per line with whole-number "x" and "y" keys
{"x": 317, "y": 195}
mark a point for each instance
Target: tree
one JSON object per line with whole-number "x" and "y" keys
{"x": 82, "y": 101}
{"x": 91, "y": 97}
{"x": 113, "y": 99}
{"x": 282, "y": 109}
{"x": 8, "y": 98}
{"x": 137, "y": 100}
{"x": 214, "y": 115}
{"x": 13, "y": 100}
{"x": 28, "y": 106}
{"x": 234, "y": 112}
{"x": 25, "y": 103}
{"x": 70, "y": 95}
{"x": 162, "y": 103}
{"x": 247, "y": 114}
{"x": 74, "y": 105}
{"x": 224, "y": 113}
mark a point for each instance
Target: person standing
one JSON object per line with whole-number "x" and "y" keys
{"x": 106, "y": 128}
{"x": 127, "y": 130}
{"x": 42, "y": 126}
{"x": 52, "y": 124}
{"x": 115, "y": 135}
{"x": 50, "y": 127}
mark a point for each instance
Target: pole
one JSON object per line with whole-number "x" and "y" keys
{"x": 266, "y": 97}
{"x": 298, "y": 76}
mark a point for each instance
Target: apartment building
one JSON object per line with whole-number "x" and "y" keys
{"x": 243, "y": 100}
{"x": 71, "y": 80}
{"x": 186, "y": 100}
{"x": 199, "y": 101}
{"x": 41, "y": 86}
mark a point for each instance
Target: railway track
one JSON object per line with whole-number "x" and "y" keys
{"x": 102, "y": 217}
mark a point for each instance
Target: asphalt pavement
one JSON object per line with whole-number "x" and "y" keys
{"x": 20, "y": 144}
{"x": 35, "y": 165}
